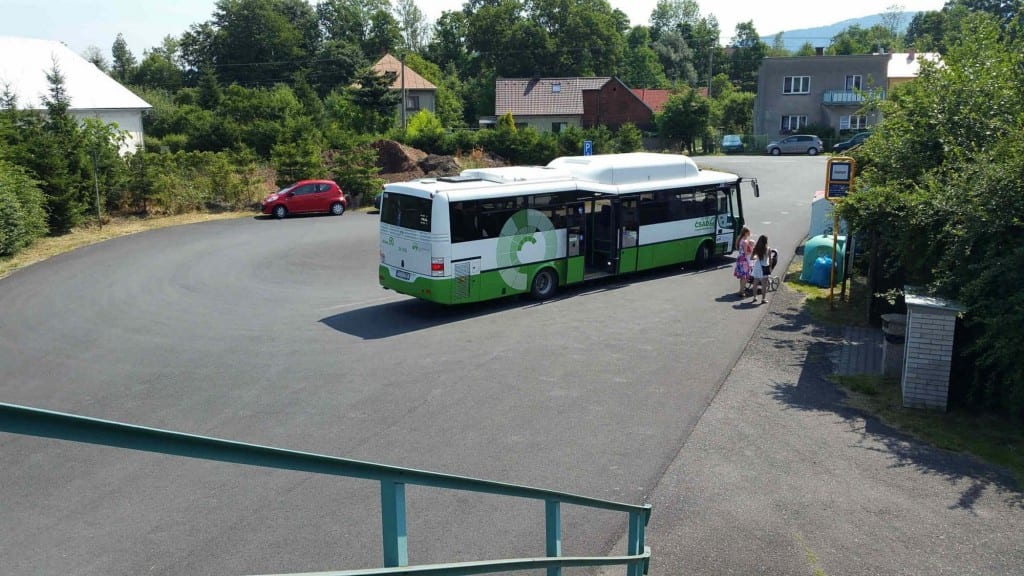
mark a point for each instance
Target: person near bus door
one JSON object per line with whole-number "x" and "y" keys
{"x": 743, "y": 269}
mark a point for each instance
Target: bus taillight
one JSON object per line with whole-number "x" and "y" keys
{"x": 437, "y": 266}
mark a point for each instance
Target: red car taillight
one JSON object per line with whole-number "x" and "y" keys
{"x": 437, "y": 266}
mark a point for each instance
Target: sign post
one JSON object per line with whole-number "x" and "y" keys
{"x": 838, "y": 182}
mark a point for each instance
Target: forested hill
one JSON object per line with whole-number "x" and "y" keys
{"x": 822, "y": 35}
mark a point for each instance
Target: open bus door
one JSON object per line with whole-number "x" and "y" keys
{"x": 603, "y": 253}
{"x": 731, "y": 224}
{"x": 576, "y": 241}
{"x": 628, "y": 233}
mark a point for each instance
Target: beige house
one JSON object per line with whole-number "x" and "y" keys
{"x": 419, "y": 93}
{"x": 25, "y": 63}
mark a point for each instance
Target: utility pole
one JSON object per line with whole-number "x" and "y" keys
{"x": 404, "y": 123}
{"x": 711, "y": 57}
{"x": 96, "y": 185}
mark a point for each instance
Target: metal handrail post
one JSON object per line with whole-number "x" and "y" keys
{"x": 553, "y": 529}
{"x": 393, "y": 529}
{"x": 635, "y": 539}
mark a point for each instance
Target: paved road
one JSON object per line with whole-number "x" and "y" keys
{"x": 275, "y": 332}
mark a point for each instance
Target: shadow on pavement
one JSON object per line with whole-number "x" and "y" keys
{"x": 793, "y": 334}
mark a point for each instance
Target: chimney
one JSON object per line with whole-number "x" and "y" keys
{"x": 819, "y": 51}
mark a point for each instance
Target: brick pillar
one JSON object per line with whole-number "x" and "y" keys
{"x": 928, "y": 351}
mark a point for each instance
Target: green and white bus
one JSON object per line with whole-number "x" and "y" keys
{"x": 495, "y": 232}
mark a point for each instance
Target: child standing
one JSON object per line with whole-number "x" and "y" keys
{"x": 759, "y": 263}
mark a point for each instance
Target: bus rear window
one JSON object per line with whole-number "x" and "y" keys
{"x": 406, "y": 211}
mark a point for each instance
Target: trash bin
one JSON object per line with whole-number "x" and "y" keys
{"x": 894, "y": 327}
{"x": 821, "y": 246}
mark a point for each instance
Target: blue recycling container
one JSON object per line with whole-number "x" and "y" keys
{"x": 822, "y": 273}
{"x": 821, "y": 247}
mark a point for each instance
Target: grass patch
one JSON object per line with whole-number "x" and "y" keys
{"x": 989, "y": 438}
{"x": 51, "y": 246}
{"x": 846, "y": 309}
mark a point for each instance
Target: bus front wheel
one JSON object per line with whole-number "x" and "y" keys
{"x": 704, "y": 254}
{"x": 544, "y": 284}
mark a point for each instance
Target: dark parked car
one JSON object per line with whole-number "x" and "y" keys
{"x": 856, "y": 140}
{"x": 306, "y": 196}
{"x": 732, "y": 143}
{"x": 796, "y": 144}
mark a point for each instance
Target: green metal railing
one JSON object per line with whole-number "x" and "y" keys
{"x": 47, "y": 424}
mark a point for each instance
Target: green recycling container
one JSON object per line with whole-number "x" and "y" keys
{"x": 821, "y": 246}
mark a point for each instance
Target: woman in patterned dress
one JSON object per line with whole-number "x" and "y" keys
{"x": 743, "y": 270}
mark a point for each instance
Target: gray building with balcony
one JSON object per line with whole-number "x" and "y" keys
{"x": 794, "y": 93}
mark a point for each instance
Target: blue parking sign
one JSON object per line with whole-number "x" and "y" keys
{"x": 588, "y": 147}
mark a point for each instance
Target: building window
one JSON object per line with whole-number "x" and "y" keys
{"x": 792, "y": 123}
{"x": 854, "y": 122}
{"x": 854, "y": 82}
{"x": 796, "y": 85}
{"x": 556, "y": 87}
{"x": 412, "y": 102}
{"x": 557, "y": 127}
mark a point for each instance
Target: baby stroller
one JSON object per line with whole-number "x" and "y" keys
{"x": 771, "y": 280}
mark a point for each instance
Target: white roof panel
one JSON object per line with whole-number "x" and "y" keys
{"x": 25, "y": 62}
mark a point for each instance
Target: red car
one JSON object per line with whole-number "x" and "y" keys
{"x": 306, "y": 196}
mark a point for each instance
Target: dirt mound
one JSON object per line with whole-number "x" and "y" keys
{"x": 400, "y": 163}
{"x": 393, "y": 157}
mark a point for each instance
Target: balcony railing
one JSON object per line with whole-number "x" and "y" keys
{"x": 851, "y": 97}
{"x": 47, "y": 424}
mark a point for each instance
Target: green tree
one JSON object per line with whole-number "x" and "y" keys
{"x": 684, "y": 118}
{"x": 260, "y": 41}
{"x": 940, "y": 192}
{"x": 58, "y": 161}
{"x": 448, "y": 98}
{"x": 629, "y": 138}
{"x": 676, "y": 57}
{"x": 413, "y": 25}
{"x": 300, "y": 159}
{"x": 806, "y": 49}
{"x": 160, "y": 67}
{"x": 700, "y": 34}
{"x": 641, "y": 68}
{"x": 778, "y": 48}
{"x": 737, "y": 112}
{"x": 336, "y": 65}
{"x": 352, "y": 163}
{"x": 377, "y": 100}
{"x": 747, "y": 54}
{"x": 857, "y": 40}
{"x": 95, "y": 56}
{"x": 124, "y": 65}
{"x": 447, "y": 45}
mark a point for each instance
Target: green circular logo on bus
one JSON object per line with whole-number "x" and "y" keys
{"x": 527, "y": 237}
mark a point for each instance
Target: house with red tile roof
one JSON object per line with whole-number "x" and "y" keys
{"x": 420, "y": 93}
{"x": 553, "y": 104}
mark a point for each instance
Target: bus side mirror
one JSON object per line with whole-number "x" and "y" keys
{"x": 757, "y": 190}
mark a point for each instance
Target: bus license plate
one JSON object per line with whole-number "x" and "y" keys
{"x": 403, "y": 274}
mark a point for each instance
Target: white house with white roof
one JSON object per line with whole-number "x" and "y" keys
{"x": 25, "y": 63}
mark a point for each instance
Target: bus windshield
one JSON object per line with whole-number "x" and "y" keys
{"x": 406, "y": 211}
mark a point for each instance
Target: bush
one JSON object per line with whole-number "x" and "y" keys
{"x": 22, "y": 210}
{"x": 425, "y": 132}
{"x": 194, "y": 181}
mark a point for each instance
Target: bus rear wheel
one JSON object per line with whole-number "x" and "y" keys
{"x": 544, "y": 284}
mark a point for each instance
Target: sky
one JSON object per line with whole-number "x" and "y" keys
{"x": 144, "y": 23}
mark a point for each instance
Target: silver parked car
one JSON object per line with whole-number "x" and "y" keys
{"x": 796, "y": 144}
